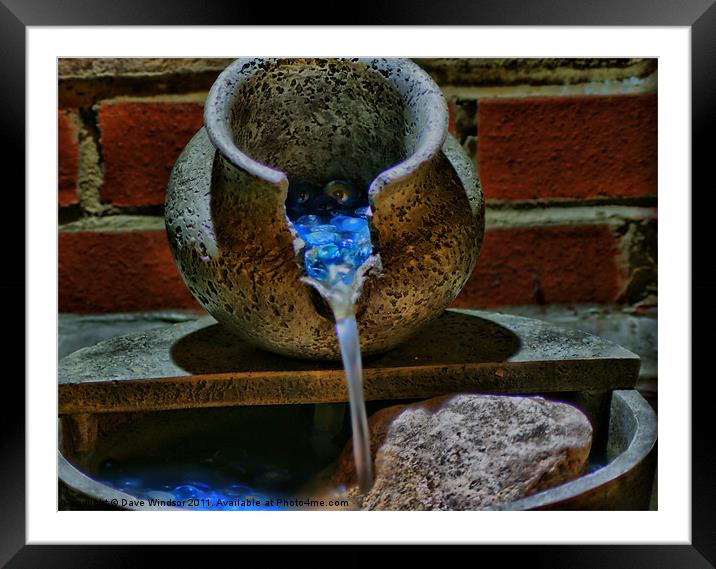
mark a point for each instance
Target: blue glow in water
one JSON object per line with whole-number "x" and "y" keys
{"x": 305, "y": 223}
{"x": 328, "y": 253}
{"x": 349, "y": 224}
{"x": 336, "y": 235}
{"x": 199, "y": 485}
{"x": 200, "y": 496}
{"x": 186, "y": 491}
{"x": 321, "y": 238}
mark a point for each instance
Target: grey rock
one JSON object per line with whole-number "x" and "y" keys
{"x": 471, "y": 452}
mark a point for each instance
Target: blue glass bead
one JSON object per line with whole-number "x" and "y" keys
{"x": 353, "y": 224}
{"x": 186, "y": 491}
{"x": 355, "y": 236}
{"x": 307, "y": 220}
{"x": 323, "y": 227}
{"x": 305, "y": 224}
{"x": 337, "y": 220}
{"x": 322, "y": 237}
{"x": 328, "y": 252}
{"x": 314, "y": 266}
{"x": 346, "y": 243}
{"x": 363, "y": 211}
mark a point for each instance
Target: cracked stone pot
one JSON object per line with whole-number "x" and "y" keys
{"x": 381, "y": 124}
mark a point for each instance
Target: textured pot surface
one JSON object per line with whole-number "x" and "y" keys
{"x": 380, "y": 124}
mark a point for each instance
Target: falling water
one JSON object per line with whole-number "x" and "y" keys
{"x": 347, "y": 332}
{"x": 334, "y": 229}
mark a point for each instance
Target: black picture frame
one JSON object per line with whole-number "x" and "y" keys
{"x": 699, "y": 15}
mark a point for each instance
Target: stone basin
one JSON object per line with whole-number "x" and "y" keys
{"x": 621, "y": 480}
{"x": 170, "y": 395}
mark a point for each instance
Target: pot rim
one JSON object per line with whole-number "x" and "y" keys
{"x": 403, "y": 74}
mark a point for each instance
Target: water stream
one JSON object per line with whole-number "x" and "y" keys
{"x": 334, "y": 228}
{"x": 347, "y": 332}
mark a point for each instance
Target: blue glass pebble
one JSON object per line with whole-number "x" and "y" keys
{"x": 186, "y": 492}
{"x": 337, "y": 220}
{"x": 324, "y": 227}
{"x": 353, "y": 224}
{"x": 308, "y": 220}
{"x": 334, "y": 226}
{"x": 322, "y": 237}
{"x": 314, "y": 267}
{"x": 328, "y": 252}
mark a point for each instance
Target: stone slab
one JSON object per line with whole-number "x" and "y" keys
{"x": 200, "y": 364}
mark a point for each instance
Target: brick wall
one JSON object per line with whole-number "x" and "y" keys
{"x": 566, "y": 151}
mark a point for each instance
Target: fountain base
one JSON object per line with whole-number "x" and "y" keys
{"x": 107, "y": 390}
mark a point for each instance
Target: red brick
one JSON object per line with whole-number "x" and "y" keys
{"x": 568, "y": 147}
{"x": 452, "y": 126}
{"x": 119, "y": 272}
{"x": 140, "y": 143}
{"x": 545, "y": 265}
{"x": 68, "y": 159}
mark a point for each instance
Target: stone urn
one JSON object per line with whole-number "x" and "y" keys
{"x": 380, "y": 124}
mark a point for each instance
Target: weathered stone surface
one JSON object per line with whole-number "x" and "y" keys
{"x": 200, "y": 364}
{"x": 468, "y": 452}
